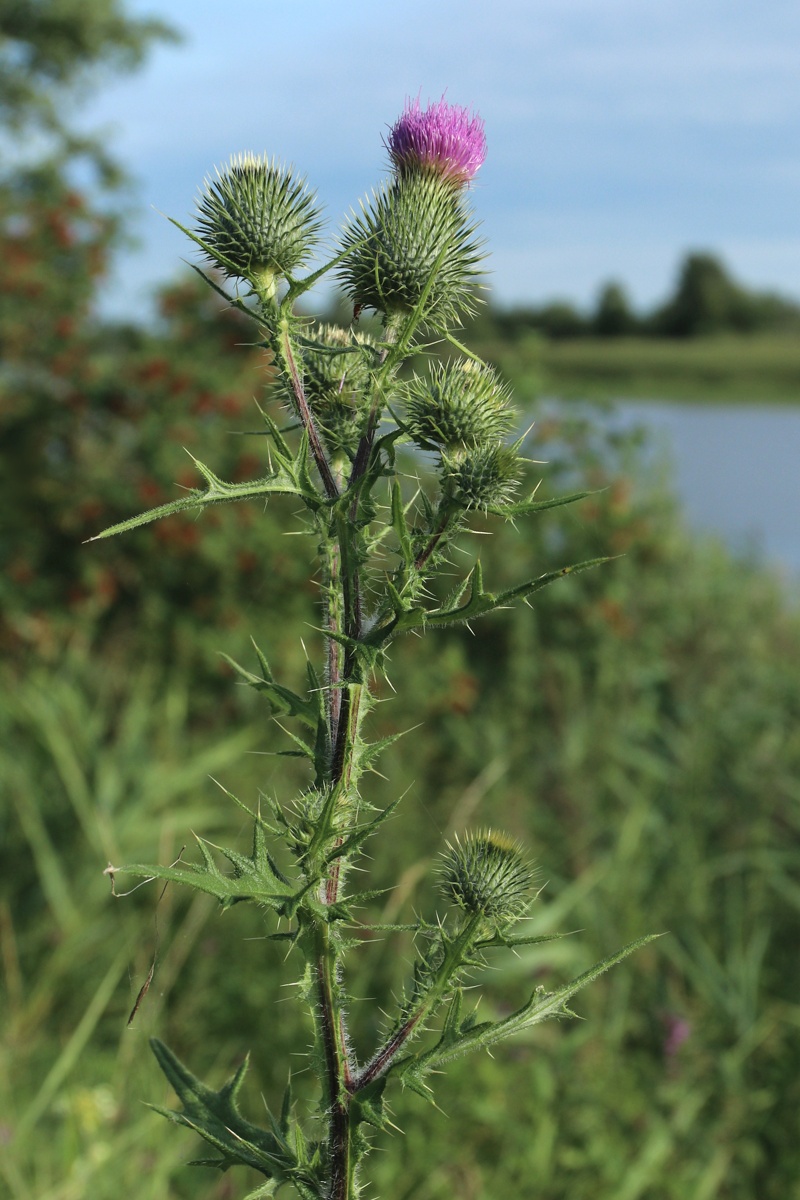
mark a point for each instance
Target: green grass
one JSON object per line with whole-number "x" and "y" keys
{"x": 756, "y": 370}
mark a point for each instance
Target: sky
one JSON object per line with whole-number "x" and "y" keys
{"x": 621, "y": 133}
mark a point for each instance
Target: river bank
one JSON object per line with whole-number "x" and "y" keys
{"x": 757, "y": 369}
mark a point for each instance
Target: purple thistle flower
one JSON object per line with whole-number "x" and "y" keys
{"x": 443, "y": 139}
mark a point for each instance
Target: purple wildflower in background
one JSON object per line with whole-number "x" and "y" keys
{"x": 677, "y": 1031}
{"x": 443, "y": 138}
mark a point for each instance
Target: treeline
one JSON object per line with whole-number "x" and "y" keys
{"x": 706, "y": 300}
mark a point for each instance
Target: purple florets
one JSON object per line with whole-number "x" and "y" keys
{"x": 443, "y": 138}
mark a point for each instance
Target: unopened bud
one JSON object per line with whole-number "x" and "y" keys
{"x": 336, "y": 379}
{"x": 480, "y": 477}
{"x": 461, "y": 403}
{"x": 414, "y": 243}
{"x": 257, "y": 220}
{"x": 488, "y": 875}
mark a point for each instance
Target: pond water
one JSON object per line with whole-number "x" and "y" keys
{"x": 736, "y": 470}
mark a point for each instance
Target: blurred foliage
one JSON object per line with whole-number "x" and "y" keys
{"x": 90, "y": 417}
{"x": 51, "y": 51}
{"x": 639, "y": 729}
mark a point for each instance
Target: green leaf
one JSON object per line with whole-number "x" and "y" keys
{"x": 458, "y": 1039}
{"x": 523, "y": 590}
{"x": 282, "y": 699}
{"x": 369, "y": 752}
{"x": 297, "y": 287}
{"x": 512, "y": 940}
{"x": 400, "y": 525}
{"x": 254, "y": 878}
{"x": 218, "y": 492}
{"x": 523, "y": 507}
{"x": 478, "y": 604}
{"x": 234, "y": 301}
{"x": 216, "y": 1117}
{"x": 369, "y": 1105}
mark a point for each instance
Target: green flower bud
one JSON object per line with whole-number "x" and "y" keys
{"x": 336, "y": 378}
{"x": 481, "y": 476}
{"x": 257, "y": 220}
{"x": 461, "y": 403}
{"x": 416, "y": 229}
{"x": 488, "y": 875}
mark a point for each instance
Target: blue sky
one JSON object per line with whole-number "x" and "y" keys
{"x": 621, "y": 132}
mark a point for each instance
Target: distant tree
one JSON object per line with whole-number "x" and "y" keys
{"x": 613, "y": 316}
{"x": 707, "y": 300}
{"x": 50, "y": 53}
{"x": 560, "y": 319}
{"x": 704, "y": 301}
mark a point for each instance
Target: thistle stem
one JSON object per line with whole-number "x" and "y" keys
{"x": 428, "y": 550}
{"x": 335, "y": 624}
{"x": 346, "y": 707}
{"x": 380, "y": 1063}
{"x": 306, "y": 416}
{"x": 338, "y": 1080}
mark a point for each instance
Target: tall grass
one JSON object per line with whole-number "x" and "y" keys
{"x": 642, "y": 732}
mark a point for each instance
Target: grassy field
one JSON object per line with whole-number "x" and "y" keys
{"x": 758, "y": 369}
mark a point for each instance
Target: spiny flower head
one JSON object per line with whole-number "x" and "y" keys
{"x": 461, "y": 403}
{"x": 480, "y": 477}
{"x": 443, "y": 139}
{"x": 488, "y": 875}
{"x": 413, "y": 242}
{"x": 257, "y": 219}
{"x": 336, "y": 377}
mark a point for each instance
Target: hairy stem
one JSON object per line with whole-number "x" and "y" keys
{"x": 380, "y": 1063}
{"x": 306, "y": 416}
{"x": 346, "y": 707}
{"x": 338, "y": 1075}
{"x": 334, "y": 620}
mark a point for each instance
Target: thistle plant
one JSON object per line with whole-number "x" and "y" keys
{"x": 343, "y": 409}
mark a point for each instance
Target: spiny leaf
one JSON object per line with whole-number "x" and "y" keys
{"x": 512, "y": 940}
{"x": 215, "y": 1116}
{"x": 303, "y": 747}
{"x": 369, "y": 752}
{"x": 400, "y": 525}
{"x": 369, "y": 1105}
{"x": 297, "y": 287}
{"x": 358, "y": 838}
{"x": 234, "y": 301}
{"x": 254, "y": 878}
{"x": 541, "y": 1006}
{"x": 523, "y": 590}
{"x": 478, "y": 604}
{"x": 219, "y": 492}
{"x": 281, "y": 445}
{"x": 524, "y": 507}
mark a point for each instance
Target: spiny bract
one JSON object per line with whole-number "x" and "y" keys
{"x": 415, "y": 239}
{"x": 487, "y": 874}
{"x": 256, "y": 219}
{"x": 480, "y": 477}
{"x": 461, "y": 403}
